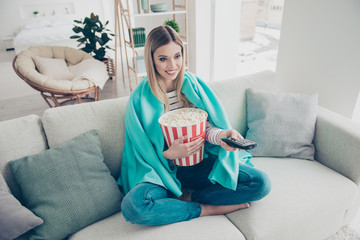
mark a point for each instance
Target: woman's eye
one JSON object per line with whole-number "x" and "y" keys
{"x": 162, "y": 59}
{"x": 178, "y": 56}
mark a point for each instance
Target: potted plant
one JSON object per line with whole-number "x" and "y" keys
{"x": 94, "y": 36}
{"x": 173, "y": 24}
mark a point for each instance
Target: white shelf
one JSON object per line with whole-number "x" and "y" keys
{"x": 151, "y": 14}
{"x": 143, "y": 47}
{"x": 139, "y": 48}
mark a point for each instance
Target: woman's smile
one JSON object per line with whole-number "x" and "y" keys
{"x": 168, "y": 62}
{"x": 171, "y": 72}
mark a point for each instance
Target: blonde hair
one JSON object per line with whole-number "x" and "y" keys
{"x": 158, "y": 37}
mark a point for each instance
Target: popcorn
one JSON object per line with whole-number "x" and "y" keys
{"x": 190, "y": 122}
{"x": 183, "y": 117}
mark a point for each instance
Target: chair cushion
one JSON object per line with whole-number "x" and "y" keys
{"x": 68, "y": 186}
{"x": 203, "y": 228}
{"x": 53, "y": 67}
{"x": 304, "y": 193}
{"x": 26, "y": 66}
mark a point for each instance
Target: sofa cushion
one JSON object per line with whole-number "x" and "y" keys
{"x": 68, "y": 186}
{"x": 282, "y": 124}
{"x": 232, "y": 94}
{"x": 15, "y": 219}
{"x": 203, "y": 228}
{"x": 107, "y": 117}
{"x": 19, "y": 137}
{"x": 304, "y": 193}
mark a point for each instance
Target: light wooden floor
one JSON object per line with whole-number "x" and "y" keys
{"x": 18, "y": 99}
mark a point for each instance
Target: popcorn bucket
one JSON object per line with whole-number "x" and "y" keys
{"x": 189, "y": 122}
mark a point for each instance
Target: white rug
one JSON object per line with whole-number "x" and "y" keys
{"x": 345, "y": 233}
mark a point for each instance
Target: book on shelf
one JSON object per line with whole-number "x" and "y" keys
{"x": 139, "y": 36}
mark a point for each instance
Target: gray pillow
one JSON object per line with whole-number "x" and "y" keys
{"x": 282, "y": 124}
{"x": 15, "y": 219}
{"x": 68, "y": 186}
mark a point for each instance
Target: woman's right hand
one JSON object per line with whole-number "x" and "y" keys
{"x": 180, "y": 149}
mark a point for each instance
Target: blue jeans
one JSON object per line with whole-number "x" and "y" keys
{"x": 150, "y": 204}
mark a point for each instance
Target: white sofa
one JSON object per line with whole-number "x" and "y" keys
{"x": 309, "y": 199}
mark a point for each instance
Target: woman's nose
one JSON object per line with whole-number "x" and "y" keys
{"x": 172, "y": 63}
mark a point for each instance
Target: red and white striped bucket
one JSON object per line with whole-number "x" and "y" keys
{"x": 193, "y": 131}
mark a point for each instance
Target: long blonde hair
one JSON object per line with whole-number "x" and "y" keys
{"x": 158, "y": 37}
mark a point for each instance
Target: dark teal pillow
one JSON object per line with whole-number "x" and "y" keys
{"x": 68, "y": 186}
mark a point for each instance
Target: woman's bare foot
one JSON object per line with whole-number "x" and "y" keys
{"x": 208, "y": 210}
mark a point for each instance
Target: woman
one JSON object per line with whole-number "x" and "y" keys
{"x": 225, "y": 181}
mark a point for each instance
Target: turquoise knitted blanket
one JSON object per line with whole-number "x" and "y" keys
{"x": 142, "y": 158}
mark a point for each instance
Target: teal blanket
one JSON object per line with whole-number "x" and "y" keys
{"x": 142, "y": 158}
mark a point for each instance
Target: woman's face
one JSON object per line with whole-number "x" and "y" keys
{"x": 168, "y": 61}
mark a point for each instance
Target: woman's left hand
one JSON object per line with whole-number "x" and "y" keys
{"x": 226, "y": 134}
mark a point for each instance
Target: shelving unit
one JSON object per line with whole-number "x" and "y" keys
{"x": 126, "y": 18}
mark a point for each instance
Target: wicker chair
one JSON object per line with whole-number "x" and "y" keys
{"x": 59, "y": 92}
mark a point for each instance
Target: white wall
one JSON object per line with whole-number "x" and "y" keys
{"x": 214, "y": 33}
{"x": 200, "y": 27}
{"x": 15, "y": 14}
{"x": 319, "y": 51}
{"x": 226, "y": 41}
{"x": 356, "y": 115}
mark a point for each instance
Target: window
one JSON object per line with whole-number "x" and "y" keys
{"x": 260, "y": 24}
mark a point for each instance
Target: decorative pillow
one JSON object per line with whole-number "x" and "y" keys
{"x": 282, "y": 124}
{"x": 53, "y": 67}
{"x": 15, "y": 219}
{"x": 68, "y": 186}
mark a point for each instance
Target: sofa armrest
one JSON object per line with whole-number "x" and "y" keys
{"x": 337, "y": 143}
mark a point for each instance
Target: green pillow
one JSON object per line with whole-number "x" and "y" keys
{"x": 68, "y": 186}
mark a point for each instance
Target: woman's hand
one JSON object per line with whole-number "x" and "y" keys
{"x": 179, "y": 149}
{"x": 226, "y": 134}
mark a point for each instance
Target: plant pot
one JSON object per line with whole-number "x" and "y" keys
{"x": 110, "y": 67}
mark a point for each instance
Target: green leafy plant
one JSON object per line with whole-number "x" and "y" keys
{"x": 173, "y": 24}
{"x": 35, "y": 12}
{"x": 95, "y": 36}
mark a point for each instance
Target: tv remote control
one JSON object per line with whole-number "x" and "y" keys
{"x": 240, "y": 143}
